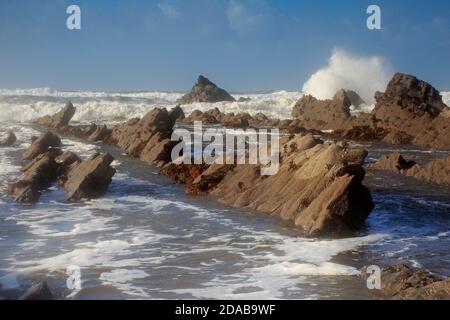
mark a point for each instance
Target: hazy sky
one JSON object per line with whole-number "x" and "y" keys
{"x": 240, "y": 44}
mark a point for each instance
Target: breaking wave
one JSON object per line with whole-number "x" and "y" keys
{"x": 365, "y": 75}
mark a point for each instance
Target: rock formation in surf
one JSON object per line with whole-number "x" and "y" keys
{"x": 205, "y": 91}
{"x": 435, "y": 171}
{"x": 323, "y": 114}
{"x": 59, "y": 119}
{"x": 318, "y": 187}
{"x": 410, "y": 111}
{"x": 400, "y": 282}
{"x": 47, "y": 164}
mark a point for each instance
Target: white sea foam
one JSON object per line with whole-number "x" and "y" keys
{"x": 446, "y": 98}
{"x": 365, "y": 75}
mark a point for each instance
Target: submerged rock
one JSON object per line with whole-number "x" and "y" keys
{"x": 91, "y": 178}
{"x": 9, "y": 140}
{"x": 60, "y": 119}
{"x": 205, "y": 91}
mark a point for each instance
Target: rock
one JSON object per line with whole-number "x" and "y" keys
{"x": 412, "y": 108}
{"x": 205, "y": 91}
{"x": 435, "y": 171}
{"x": 396, "y": 137}
{"x": 91, "y": 178}
{"x": 61, "y": 118}
{"x": 323, "y": 115}
{"x": 9, "y": 140}
{"x": 393, "y": 162}
{"x": 41, "y": 145}
{"x": 39, "y": 291}
{"x": 176, "y": 114}
{"x": 354, "y": 98}
{"x": 67, "y": 161}
{"x": 99, "y": 134}
{"x": 400, "y": 282}
{"x": 244, "y": 99}
{"x": 39, "y": 174}
{"x": 316, "y": 188}
{"x": 208, "y": 179}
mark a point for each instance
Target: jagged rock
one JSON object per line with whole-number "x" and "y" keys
{"x": 208, "y": 179}
{"x": 99, "y": 134}
{"x": 176, "y": 114}
{"x": 41, "y": 145}
{"x": 9, "y": 140}
{"x": 205, "y": 91}
{"x": 435, "y": 171}
{"x": 61, "y": 118}
{"x": 39, "y": 174}
{"x": 315, "y": 187}
{"x": 148, "y": 138}
{"x": 413, "y": 107}
{"x": 323, "y": 114}
{"x": 67, "y": 161}
{"x": 91, "y": 178}
{"x": 39, "y": 291}
{"x": 400, "y": 282}
{"x": 354, "y": 98}
{"x": 393, "y": 162}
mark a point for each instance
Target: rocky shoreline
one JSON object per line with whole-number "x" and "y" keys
{"x": 319, "y": 187}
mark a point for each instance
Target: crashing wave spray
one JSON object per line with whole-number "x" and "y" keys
{"x": 365, "y": 75}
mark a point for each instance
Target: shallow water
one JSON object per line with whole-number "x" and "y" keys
{"x": 146, "y": 239}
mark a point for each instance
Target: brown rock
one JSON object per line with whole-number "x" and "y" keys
{"x": 323, "y": 115}
{"x": 90, "y": 179}
{"x": 205, "y": 91}
{"x": 99, "y": 134}
{"x": 41, "y": 145}
{"x": 315, "y": 187}
{"x": 400, "y": 282}
{"x": 61, "y": 118}
{"x": 393, "y": 162}
{"x": 39, "y": 174}
{"x": 396, "y": 137}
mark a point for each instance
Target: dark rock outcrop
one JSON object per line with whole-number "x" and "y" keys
{"x": 9, "y": 140}
{"x": 205, "y": 91}
{"x": 59, "y": 119}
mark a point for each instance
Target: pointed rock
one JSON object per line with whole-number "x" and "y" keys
{"x": 205, "y": 91}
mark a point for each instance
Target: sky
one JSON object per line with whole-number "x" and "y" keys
{"x": 243, "y": 45}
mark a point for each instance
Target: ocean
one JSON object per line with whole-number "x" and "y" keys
{"x": 146, "y": 239}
